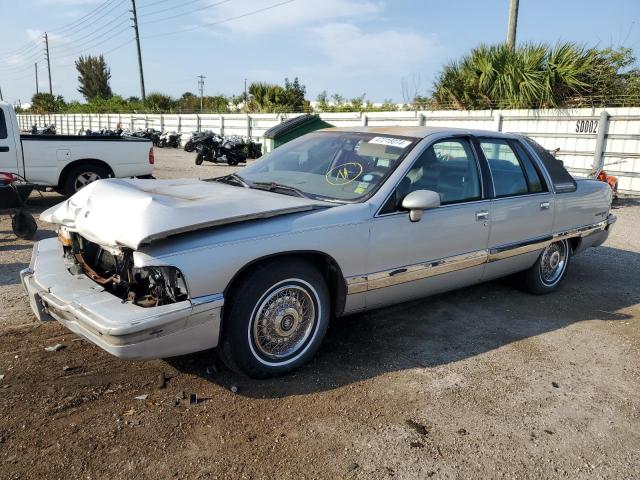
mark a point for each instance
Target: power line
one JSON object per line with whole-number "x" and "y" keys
{"x": 211, "y": 24}
{"x": 151, "y": 4}
{"x": 84, "y": 18}
{"x": 95, "y": 20}
{"x": 181, "y": 14}
{"x": 118, "y": 47}
{"x": 121, "y": 27}
{"x": 22, "y": 50}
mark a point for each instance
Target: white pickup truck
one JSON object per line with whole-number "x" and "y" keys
{"x": 69, "y": 162}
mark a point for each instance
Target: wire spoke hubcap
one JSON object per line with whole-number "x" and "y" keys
{"x": 283, "y": 322}
{"x": 554, "y": 261}
{"x": 85, "y": 179}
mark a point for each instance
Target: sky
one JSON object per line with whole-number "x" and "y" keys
{"x": 350, "y": 47}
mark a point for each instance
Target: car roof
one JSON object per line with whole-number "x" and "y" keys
{"x": 419, "y": 132}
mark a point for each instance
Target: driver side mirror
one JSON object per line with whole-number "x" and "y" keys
{"x": 418, "y": 201}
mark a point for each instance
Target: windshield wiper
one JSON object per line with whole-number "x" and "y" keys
{"x": 233, "y": 179}
{"x": 274, "y": 187}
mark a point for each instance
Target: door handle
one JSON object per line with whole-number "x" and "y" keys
{"x": 482, "y": 216}
{"x": 544, "y": 206}
{"x": 4, "y": 149}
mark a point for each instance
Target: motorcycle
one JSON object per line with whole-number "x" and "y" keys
{"x": 150, "y": 133}
{"x": 103, "y": 132}
{"x": 46, "y": 130}
{"x": 234, "y": 150}
{"x": 196, "y": 137}
{"x": 169, "y": 139}
{"x": 208, "y": 148}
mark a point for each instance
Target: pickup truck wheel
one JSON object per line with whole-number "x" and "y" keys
{"x": 275, "y": 319}
{"x": 82, "y": 176}
{"x": 549, "y": 270}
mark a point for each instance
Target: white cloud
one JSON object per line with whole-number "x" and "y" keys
{"x": 351, "y": 50}
{"x": 300, "y": 13}
{"x": 35, "y": 35}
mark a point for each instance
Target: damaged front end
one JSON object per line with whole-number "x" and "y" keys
{"x": 114, "y": 270}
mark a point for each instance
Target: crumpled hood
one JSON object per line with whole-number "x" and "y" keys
{"x": 119, "y": 212}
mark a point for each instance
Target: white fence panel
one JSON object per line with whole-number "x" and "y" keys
{"x": 574, "y": 133}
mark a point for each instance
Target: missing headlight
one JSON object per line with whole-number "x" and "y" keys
{"x": 145, "y": 286}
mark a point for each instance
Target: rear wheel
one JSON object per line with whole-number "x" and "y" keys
{"x": 549, "y": 270}
{"x": 81, "y": 176}
{"x": 275, "y": 318}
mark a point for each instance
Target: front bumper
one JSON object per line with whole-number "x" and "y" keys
{"x": 122, "y": 329}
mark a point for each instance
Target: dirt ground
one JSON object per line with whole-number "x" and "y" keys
{"x": 485, "y": 382}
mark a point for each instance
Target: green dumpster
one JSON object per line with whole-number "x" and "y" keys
{"x": 292, "y": 128}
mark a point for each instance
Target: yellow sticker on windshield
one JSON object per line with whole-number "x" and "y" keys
{"x": 343, "y": 174}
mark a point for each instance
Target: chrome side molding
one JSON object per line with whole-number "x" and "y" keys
{"x": 419, "y": 271}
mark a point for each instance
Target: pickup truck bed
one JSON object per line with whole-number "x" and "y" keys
{"x": 68, "y": 162}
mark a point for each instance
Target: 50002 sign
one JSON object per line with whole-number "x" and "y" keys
{"x": 587, "y": 126}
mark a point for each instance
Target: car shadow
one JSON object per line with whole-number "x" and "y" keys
{"x": 446, "y": 328}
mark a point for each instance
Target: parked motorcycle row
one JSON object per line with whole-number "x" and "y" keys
{"x": 46, "y": 130}
{"x": 159, "y": 138}
{"x": 212, "y": 147}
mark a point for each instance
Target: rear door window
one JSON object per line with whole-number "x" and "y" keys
{"x": 511, "y": 175}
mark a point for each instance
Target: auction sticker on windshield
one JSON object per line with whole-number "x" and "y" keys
{"x": 392, "y": 142}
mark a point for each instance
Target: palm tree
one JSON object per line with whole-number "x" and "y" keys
{"x": 529, "y": 76}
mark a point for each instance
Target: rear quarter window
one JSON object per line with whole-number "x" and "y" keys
{"x": 3, "y": 125}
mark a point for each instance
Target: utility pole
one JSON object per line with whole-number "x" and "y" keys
{"x": 46, "y": 43}
{"x": 513, "y": 23}
{"x": 135, "y": 27}
{"x": 201, "y": 87}
{"x": 245, "y": 93}
{"x": 37, "y": 90}
{"x": 1, "y": 98}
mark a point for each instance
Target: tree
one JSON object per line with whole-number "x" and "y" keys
{"x": 160, "y": 102}
{"x": 47, "y": 103}
{"x": 295, "y": 94}
{"x": 535, "y": 76}
{"x": 94, "y": 77}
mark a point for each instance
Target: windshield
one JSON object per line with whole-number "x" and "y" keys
{"x": 344, "y": 166}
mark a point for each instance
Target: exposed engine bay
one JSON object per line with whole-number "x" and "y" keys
{"x": 115, "y": 271}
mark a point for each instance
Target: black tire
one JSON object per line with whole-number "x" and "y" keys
{"x": 189, "y": 147}
{"x": 24, "y": 225}
{"x": 72, "y": 182}
{"x": 244, "y": 346}
{"x": 199, "y": 159}
{"x": 536, "y": 281}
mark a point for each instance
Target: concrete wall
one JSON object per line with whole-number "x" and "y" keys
{"x": 585, "y": 136}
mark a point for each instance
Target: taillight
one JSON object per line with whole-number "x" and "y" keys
{"x": 7, "y": 178}
{"x": 152, "y": 157}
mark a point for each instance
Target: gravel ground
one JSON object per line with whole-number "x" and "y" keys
{"x": 485, "y": 382}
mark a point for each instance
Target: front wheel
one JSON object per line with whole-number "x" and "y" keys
{"x": 199, "y": 159}
{"x": 189, "y": 147}
{"x": 549, "y": 270}
{"x": 275, "y": 319}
